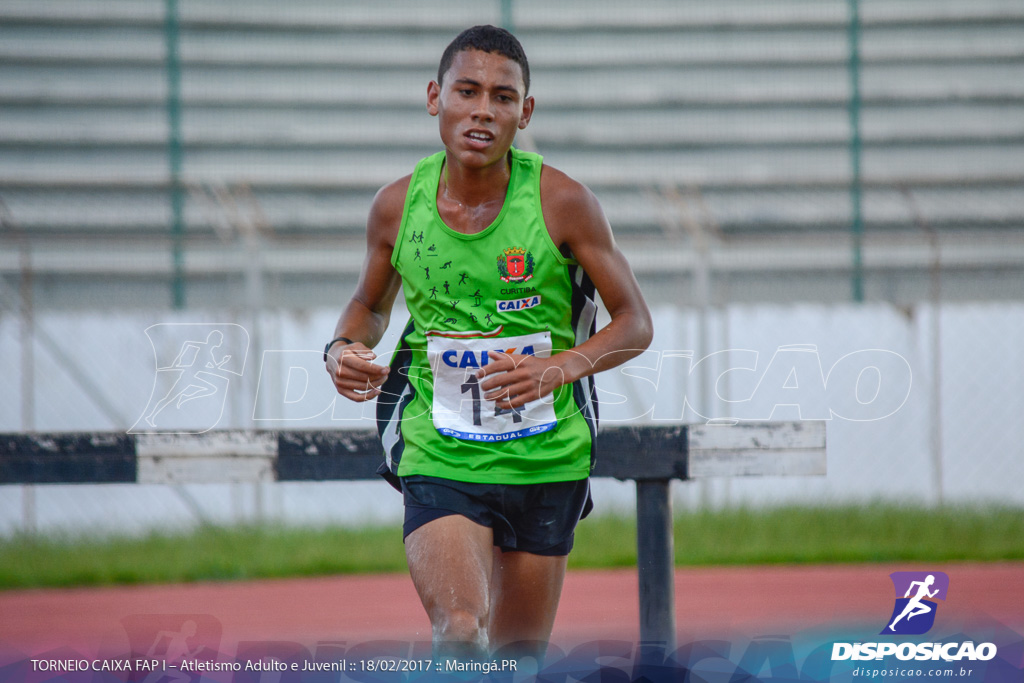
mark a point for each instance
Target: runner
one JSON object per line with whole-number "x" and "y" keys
{"x": 487, "y": 411}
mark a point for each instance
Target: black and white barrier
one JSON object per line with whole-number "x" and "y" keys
{"x": 651, "y": 456}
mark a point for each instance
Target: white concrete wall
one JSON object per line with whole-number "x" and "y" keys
{"x": 872, "y": 363}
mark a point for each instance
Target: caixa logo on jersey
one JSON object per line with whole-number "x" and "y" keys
{"x": 526, "y": 302}
{"x": 477, "y": 359}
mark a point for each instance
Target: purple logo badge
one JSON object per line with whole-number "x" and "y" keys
{"x": 916, "y": 592}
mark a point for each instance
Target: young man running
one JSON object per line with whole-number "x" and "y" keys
{"x": 486, "y": 412}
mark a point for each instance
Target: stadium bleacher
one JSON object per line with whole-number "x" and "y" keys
{"x": 731, "y": 118}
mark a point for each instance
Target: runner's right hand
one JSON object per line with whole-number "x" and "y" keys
{"x": 355, "y": 375}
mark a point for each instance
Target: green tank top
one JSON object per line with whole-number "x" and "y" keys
{"x": 505, "y": 288}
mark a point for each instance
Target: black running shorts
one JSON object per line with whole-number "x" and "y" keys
{"x": 534, "y": 518}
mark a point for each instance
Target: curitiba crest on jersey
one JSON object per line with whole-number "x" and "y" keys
{"x": 515, "y": 265}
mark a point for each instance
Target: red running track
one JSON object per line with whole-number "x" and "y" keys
{"x": 750, "y": 601}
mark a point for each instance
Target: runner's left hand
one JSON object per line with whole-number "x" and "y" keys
{"x": 512, "y": 380}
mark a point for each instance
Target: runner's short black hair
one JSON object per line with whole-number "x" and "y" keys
{"x": 486, "y": 38}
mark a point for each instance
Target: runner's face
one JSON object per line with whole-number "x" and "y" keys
{"x": 480, "y": 105}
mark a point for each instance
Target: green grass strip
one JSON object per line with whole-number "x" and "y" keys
{"x": 794, "y": 535}
{"x": 802, "y": 535}
{"x": 207, "y": 554}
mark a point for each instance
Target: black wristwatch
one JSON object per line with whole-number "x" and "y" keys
{"x": 333, "y": 342}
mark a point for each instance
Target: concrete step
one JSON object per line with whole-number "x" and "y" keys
{"x": 378, "y": 49}
{"x": 305, "y": 14}
{"x": 527, "y": 14}
{"x": 641, "y": 211}
{"x": 704, "y": 167}
{"x": 227, "y": 127}
{"x": 624, "y": 89}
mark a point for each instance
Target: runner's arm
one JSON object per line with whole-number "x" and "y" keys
{"x": 580, "y": 225}
{"x": 577, "y": 223}
{"x": 365, "y": 318}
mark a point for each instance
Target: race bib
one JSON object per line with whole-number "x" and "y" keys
{"x": 460, "y": 409}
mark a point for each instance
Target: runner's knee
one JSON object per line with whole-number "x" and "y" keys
{"x": 461, "y": 626}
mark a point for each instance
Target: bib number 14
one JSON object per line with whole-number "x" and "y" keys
{"x": 459, "y": 408}
{"x": 472, "y": 386}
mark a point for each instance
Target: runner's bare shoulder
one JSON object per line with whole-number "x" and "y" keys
{"x": 386, "y": 211}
